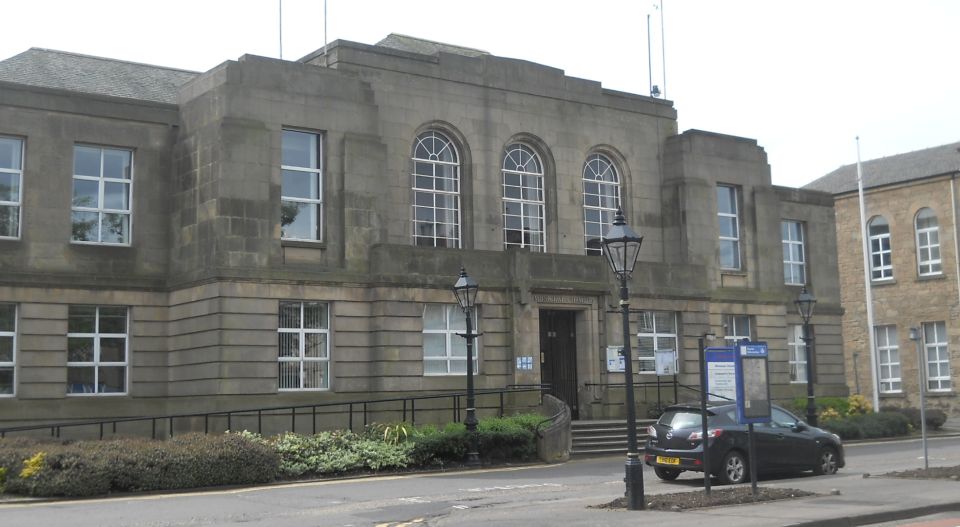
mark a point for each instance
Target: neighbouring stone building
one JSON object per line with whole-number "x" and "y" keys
{"x": 275, "y": 232}
{"x": 911, "y": 207}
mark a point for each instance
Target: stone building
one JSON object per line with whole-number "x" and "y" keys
{"x": 911, "y": 207}
{"x": 275, "y": 232}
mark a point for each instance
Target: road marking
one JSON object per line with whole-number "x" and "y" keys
{"x": 511, "y": 487}
{"x": 415, "y": 499}
{"x": 461, "y": 507}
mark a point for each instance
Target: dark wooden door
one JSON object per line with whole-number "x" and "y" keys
{"x": 558, "y": 355}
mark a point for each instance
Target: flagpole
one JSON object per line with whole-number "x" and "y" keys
{"x": 867, "y": 284}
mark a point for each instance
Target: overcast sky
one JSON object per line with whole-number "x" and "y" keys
{"x": 802, "y": 78}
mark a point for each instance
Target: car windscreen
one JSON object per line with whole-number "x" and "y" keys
{"x": 680, "y": 419}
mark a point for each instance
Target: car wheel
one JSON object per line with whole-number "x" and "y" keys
{"x": 734, "y": 469}
{"x": 826, "y": 462}
{"x": 667, "y": 474}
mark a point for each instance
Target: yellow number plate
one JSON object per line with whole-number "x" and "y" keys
{"x": 668, "y": 460}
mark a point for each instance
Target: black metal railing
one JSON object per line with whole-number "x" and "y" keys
{"x": 406, "y": 410}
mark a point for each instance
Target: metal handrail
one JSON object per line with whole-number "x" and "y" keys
{"x": 56, "y": 428}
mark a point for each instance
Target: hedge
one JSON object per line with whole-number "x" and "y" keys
{"x": 935, "y": 418}
{"x": 89, "y": 468}
{"x": 869, "y": 426}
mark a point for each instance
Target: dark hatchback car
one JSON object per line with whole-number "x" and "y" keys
{"x": 785, "y": 444}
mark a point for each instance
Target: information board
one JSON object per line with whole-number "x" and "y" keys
{"x": 721, "y": 374}
{"x": 615, "y": 359}
{"x": 666, "y": 361}
{"x": 753, "y": 388}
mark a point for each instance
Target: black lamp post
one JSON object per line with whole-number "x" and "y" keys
{"x": 805, "y": 303}
{"x": 466, "y": 291}
{"x": 621, "y": 245}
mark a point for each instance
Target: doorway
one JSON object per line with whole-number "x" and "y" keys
{"x": 558, "y": 355}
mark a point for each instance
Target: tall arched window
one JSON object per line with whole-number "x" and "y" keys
{"x": 436, "y": 191}
{"x": 881, "y": 262}
{"x": 523, "y": 205}
{"x": 601, "y": 198}
{"x": 928, "y": 243}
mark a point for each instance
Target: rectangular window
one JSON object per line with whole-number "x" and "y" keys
{"x": 938, "y": 356}
{"x": 794, "y": 257}
{"x": 102, "y": 178}
{"x": 445, "y": 352}
{"x": 881, "y": 255}
{"x": 928, "y": 244}
{"x": 8, "y": 348}
{"x": 97, "y": 350}
{"x": 888, "y": 351}
{"x": 301, "y": 189}
{"x": 304, "y": 351}
{"x": 11, "y": 181}
{"x": 797, "y": 351}
{"x": 729, "y": 221}
{"x": 658, "y": 332}
{"x": 735, "y": 329}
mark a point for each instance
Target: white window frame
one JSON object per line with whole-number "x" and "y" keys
{"x": 598, "y": 211}
{"x": 315, "y": 172}
{"x": 450, "y": 332}
{"x": 888, "y": 359}
{"x": 931, "y": 265}
{"x": 647, "y": 362}
{"x": 733, "y": 331}
{"x": 797, "y": 354}
{"x": 881, "y": 246}
{"x": 794, "y": 253}
{"x": 427, "y": 152}
{"x": 302, "y": 360}
{"x": 96, "y": 363}
{"x": 525, "y": 165}
{"x": 12, "y": 363}
{"x": 17, "y": 173}
{"x": 936, "y": 343}
{"x": 733, "y": 240}
{"x": 100, "y": 208}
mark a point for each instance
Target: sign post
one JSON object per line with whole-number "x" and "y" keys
{"x": 753, "y": 395}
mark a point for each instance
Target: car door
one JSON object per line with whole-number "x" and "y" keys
{"x": 794, "y": 446}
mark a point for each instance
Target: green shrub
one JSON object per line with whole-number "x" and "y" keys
{"x": 3, "y": 480}
{"x": 869, "y": 426}
{"x": 505, "y": 438}
{"x": 437, "y": 446}
{"x": 840, "y": 404}
{"x": 337, "y": 452}
{"x": 88, "y": 468}
{"x": 935, "y": 417}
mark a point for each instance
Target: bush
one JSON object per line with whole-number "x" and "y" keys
{"x": 505, "y": 438}
{"x": 498, "y": 438}
{"x": 437, "y": 446}
{"x": 337, "y": 452}
{"x": 858, "y": 404}
{"x": 3, "y": 480}
{"x": 935, "y": 417}
{"x": 840, "y": 404}
{"x": 88, "y": 468}
{"x": 869, "y": 426}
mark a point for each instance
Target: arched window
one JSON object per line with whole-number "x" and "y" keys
{"x": 928, "y": 243}
{"x": 523, "y": 205}
{"x": 436, "y": 191}
{"x": 881, "y": 263}
{"x": 601, "y": 198}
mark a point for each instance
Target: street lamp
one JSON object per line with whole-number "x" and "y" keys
{"x": 621, "y": 245}
{"x": 917, "y": 338}
{"x": 466, "y": 292}
{"x": 805, "y": 303}
{"x": 704, "y": 431}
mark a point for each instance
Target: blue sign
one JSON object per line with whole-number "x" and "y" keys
{"x": 753, "y": 388}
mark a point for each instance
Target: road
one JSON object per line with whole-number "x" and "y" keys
{"x": 485, "y": 497}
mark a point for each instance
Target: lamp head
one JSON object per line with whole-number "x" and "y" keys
{"x": 621, "y": 245}
{"x": 466, "y": 290}
{"x": 805, "y": 303}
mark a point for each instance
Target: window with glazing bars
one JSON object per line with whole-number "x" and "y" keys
{"x": 523, "y": 199}
{"x": 794, "y": 257}
{"x": 797, "y": 351}
{"x": 8, "y": 348}
{"x": 11, "y": 181}
{"x": 657, "y": 332}
{"x": 444, "y": 351}
{"x": 936, "y": 344}
{"x": 436, "y": 191}
{"x": 102, "y": 186}
{"x": 301, "y": 188}
{"x": 888, "y": 353}
{"x": 97, "y": 350}
{"x": 601, "y": 198}
{"x": 928, "y": 243}
{"x": 304, "y": 349}
{"x": 728, "y": 217}
{"x": 881, "y": 256}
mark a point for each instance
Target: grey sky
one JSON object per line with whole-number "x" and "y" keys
{"x": 803, "y": 78}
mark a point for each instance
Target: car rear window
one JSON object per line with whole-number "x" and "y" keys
{"x": 680, "y": 419}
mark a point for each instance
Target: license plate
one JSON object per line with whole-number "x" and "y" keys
{"x": 668, "y": 460}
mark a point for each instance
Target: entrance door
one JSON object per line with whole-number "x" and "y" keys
{"x": 558, "y": 355}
